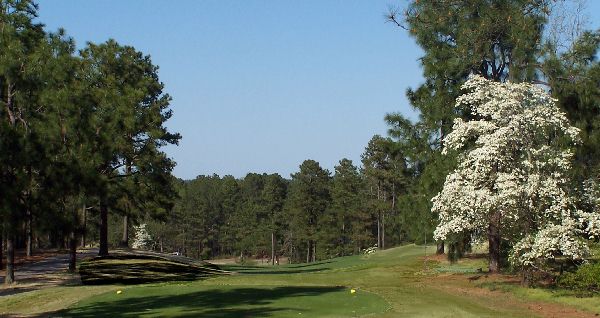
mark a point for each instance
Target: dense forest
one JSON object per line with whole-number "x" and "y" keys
{"x": 82, "y": 132}
{"x": 314, "y": 215}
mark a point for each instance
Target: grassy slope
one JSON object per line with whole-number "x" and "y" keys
{"x": 391, "y": 283}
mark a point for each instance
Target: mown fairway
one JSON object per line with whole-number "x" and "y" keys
{"x": 392, "y": 283}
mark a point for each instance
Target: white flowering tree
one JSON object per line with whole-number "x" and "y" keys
{"x": 142, "y": 239}
{"x": 511, "y": 182}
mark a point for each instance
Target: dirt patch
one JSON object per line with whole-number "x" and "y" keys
{"x": 466, "y": 285}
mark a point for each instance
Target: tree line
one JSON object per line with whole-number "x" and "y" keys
{"x": 313, "y": 215}
{"x": 81, "y": 133}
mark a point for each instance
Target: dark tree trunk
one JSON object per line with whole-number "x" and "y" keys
{"x": 494, "y": 242}
{"x": 272, "y": 248}
{"x": 72, "y": 252}
{"x": 379, "y": 230}
{"x": 29, "y": 238}
{"x": 125, "y": 238}
{"x": 10, "y": 260}
{"x": 314, "y": 252}
{"x": 103, "y": 228}
{"x": 440, "y": 248}
{"x": 83, "y": 225}
{"x": 1, "y": 250}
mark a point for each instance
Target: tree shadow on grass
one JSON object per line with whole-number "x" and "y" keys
{"x": 236, "y": 302}
{"x": 141, "y": 270}
{"x": 278, "y": 271}
{"x": 288, "y": 269}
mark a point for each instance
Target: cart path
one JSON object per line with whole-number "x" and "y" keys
{"x": 51, "y": 271}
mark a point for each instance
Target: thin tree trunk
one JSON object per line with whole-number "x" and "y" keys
{"x": 199, "y": 249}
{"x": 125, "y": 238}
{"x": 272, "y": 248}
{"x": 383, "y": 231}
{"x": 29, "y": 234}
{"x": 378, "y": 215}
{"x": 84, "y": 225}
{"x": 103, "y": 228}
{"x": 379, "y": 230}
{"x": 494, "y": 242}
{"x": 1, "y": 249}
{"x": 309, "y": 248}
{"x": 314, "y": 252}
{"x": 10, "y": 260}
{"x": 72, "y": 251}
{"x": 440, "y": 248}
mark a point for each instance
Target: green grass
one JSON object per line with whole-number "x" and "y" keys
{"x": 392, "y": 283}
{"x": 389, "y": 284}
{"x": 230, "y": 301}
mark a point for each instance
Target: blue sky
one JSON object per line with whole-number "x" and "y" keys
{"x": 260, "y": 86}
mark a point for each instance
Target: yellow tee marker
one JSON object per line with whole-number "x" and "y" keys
{"x": 119, "y": 291}
{"x": 352, "y": 291}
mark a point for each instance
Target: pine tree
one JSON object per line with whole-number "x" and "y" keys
{"x": 21, "y": 116}
{"x": 308, "y": 199}
{"x": 130, "y": 111}
{"x": 498, "y": 40}
{"x": 351, "y": 221}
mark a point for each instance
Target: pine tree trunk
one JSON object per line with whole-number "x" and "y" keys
{"x": 378, "y": 216}
{"x": 1, "y": 249}
{"x": 383, "y": 231}
{"x": 314, "y": 252}
{"x": 309, "y": 249}
{"x": 494, "y": 242}
{"x": 125, "y": 238}
{"x": 29, "y": 233}
{"x": 379, "y": 230}
{"x": 103, "y": 228}
{"x": 84, "y": 225}
{"x": 10, "y": 260}
{"x": 72, "y": 252}
{"x": 272, "y": 248}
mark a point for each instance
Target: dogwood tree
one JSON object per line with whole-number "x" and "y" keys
{"x": 142, "y": 239}
{"x": 511, "y": 182}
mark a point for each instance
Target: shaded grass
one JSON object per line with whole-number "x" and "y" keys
{"x": 191, "y": 300}
{"x": 137, "y": 269}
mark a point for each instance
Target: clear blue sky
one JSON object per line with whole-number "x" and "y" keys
{"x": 260, "y": 86}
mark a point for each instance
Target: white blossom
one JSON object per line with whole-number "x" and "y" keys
{"x": 142, "y": 239}
{"x": 514, "y": 158}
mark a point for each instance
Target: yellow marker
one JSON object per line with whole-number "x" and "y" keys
{"x": 352, "y": 291}
{"x": 119, "y": 291}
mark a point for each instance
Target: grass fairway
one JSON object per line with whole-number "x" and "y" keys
{"x": 230, "y": 301}
{"x": 391, "y": 283}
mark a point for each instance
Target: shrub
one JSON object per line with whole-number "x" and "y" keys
{"x": 585, "y": 278}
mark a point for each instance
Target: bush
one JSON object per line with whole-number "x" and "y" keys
{"x": 585, "y": 278}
